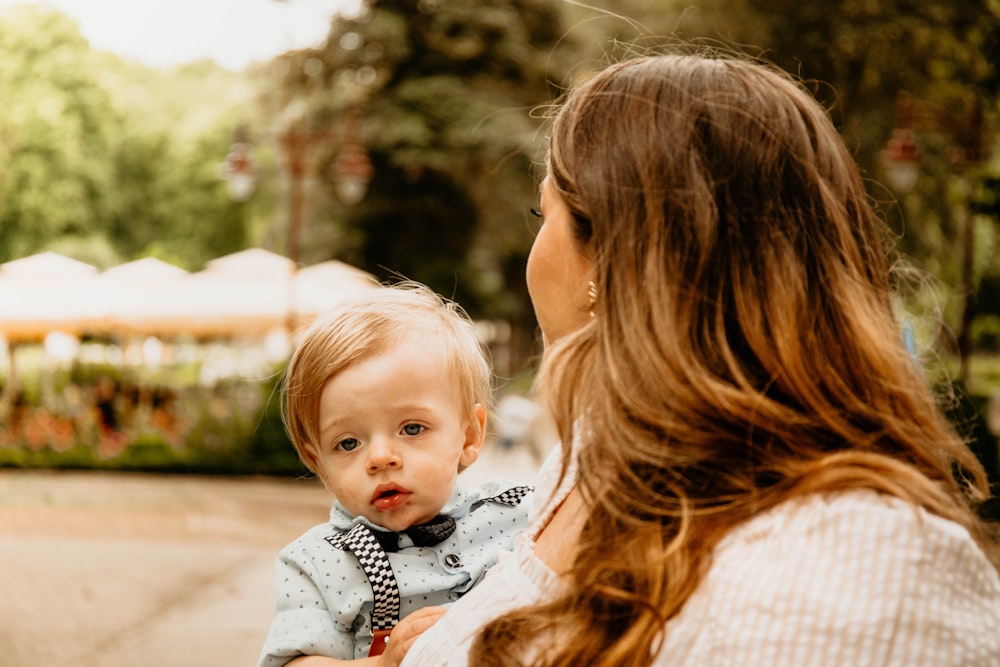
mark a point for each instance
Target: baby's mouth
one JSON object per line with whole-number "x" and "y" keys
{"x": 389, "y": 497}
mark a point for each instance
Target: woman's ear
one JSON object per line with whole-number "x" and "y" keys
{"x": 475, "y": 436}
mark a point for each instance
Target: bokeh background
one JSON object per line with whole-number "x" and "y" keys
{"x": 184, "y": 184}
{"x": 403, "y": 138}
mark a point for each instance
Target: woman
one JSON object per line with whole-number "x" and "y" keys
{"x": 759, "y": 473}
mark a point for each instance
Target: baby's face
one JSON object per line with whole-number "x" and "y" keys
{"x": 393, "y": 431}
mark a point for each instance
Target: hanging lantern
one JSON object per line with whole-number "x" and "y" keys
{"x": 352, "y": 172}
{"x": 239, "y": 169}
{"x": 901, "y": 160}
{"x": 900, "y": 157}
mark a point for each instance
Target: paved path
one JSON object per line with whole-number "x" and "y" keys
{"x": 125, "y": 570}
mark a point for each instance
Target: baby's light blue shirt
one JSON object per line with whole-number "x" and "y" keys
{"x": 324, "y": 601}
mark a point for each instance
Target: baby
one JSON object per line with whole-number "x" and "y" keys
{"x": 385, "y": 399}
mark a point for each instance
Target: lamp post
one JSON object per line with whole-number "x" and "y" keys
{"x": 351, "y": 173}
{"x": 239, "y": 169}
{"x": 297, "y": 140}
{"x": 901, "y": 158}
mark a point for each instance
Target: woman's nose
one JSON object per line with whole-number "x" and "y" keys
{"x": 382, "y": 454}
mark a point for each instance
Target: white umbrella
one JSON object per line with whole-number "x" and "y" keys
{"x": 45, "y": 293}
{"x": 133, "y": 297}
{"x": 243, "y": 294}
{"x": 319, "y": 287}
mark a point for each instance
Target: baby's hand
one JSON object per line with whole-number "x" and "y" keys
{"x": 406, "y": 632}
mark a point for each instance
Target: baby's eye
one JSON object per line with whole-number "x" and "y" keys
{"x": 413, "y": 429}
{"x": 535, "y": 212}
{"x": 348, "y": 444}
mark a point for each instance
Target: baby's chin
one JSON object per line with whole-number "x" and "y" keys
{"x": 399, "y": 521}
{"x": 416, "y": 521}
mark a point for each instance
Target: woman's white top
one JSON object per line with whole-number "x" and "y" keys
{"x": 852, "y": 578}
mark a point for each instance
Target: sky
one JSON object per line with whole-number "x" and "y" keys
{"x": 234, "y": 33}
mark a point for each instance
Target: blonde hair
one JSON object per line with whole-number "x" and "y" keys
{"x": 366, "y": 325}
{"x": 744, "y": 350}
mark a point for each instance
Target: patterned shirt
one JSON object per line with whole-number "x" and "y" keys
{"x": 324, "y": 599}
{"x": 852, "y": 578}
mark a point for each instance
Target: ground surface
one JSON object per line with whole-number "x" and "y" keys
{"x": 120, "y": 570}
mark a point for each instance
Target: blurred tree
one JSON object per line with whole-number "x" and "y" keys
{"x": 986, "y": 205}
{"x": 56, "y": 132}
{"x": 170, "y": 201}
{"x": 946, "y": 55}
{"x": 856, "y": 55}
{"x": 447, "y": 91}
{"x": 107, "y": 160}
{"x": 447, "y": 88}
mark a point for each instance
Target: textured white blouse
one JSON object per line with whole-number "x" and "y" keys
{"x": 849, "y": 579}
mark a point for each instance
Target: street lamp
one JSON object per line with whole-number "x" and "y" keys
{"x": 239, "y": 168}
{"x": 296, "y": 139}
{"x": 901, "y": 158}
{"x": 901, "y": 155}
{"x": 351, "y": 172}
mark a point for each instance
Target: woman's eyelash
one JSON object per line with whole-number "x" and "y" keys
{"x": 535, "y": 212}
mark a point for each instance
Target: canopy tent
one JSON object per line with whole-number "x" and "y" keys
{"x": 319, "y": 287}
{"x": 246, "y": 294}
{"x": 132, "y": 296}
{"x": 45, "y": 293}
{"x": 255, "y": 291}
{"x": 253, "y": 263}
{"x": 41, "y": 295}
{"x": 239, "y": 295}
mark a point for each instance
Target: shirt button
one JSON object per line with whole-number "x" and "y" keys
{"x": 453, "y": 560}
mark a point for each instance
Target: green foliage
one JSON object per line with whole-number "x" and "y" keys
{"x": 856, "y": 55}
{"x": 968, "y": 413}
{"x": 232, "y": 428}
{"x": 452, "y": 84}
{"x": 446, "y": 96}
{"x": 269, "y": 446}
{"x": 986, "y": 333}
{"x": 447, "y": 93}
{"x": 56, "y": 126}
{"x": 107, "y": 161}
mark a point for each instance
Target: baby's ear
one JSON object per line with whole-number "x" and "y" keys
{"x": 475, "y": 436}
{"x": 314, "y": 466}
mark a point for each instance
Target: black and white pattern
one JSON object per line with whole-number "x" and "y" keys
{"x": 512, "y": 497}
{"x": 374, "y": 561}
{"x": 325, "y": 597}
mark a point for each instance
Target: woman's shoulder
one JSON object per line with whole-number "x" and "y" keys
{"x": 879, "y": 533}
{"x": 829, "y": 573}
{"x": 850, "y": 517}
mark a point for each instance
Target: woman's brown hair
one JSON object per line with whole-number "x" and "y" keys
{"x": 744, "y": 350}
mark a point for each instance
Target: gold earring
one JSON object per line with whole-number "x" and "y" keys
{"x": 591, "y": 296}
